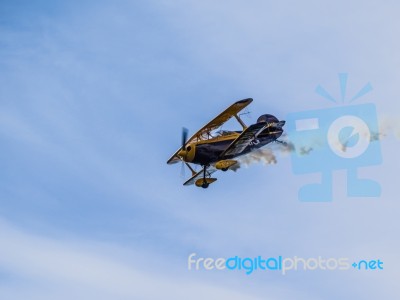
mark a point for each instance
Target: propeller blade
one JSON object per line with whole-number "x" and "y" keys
{"x": 183, "y": 175}
{"x": 184, "y": 137}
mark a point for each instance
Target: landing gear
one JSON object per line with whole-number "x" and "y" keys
{"x": 205, "y": 180}
{"x": 205, "y": 185}
{"x": 225, "y": 164}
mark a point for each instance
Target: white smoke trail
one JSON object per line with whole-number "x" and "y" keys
{"x": 265, "y": 155}
{"x": 388, "y": 124}
{"x": 268, "y": 154}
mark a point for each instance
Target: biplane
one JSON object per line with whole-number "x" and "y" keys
{"x": 216, "y": 150}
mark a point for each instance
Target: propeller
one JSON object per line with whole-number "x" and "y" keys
{"x": 183, "y": 170}
{"x": 184, "y": 139}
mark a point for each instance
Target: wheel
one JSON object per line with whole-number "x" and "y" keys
{"x": 224, "y": 169}
{"x": 205, "y": 185}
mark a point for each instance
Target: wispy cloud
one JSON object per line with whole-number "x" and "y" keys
{"x": 55, "y": 267}
{"x": 92, "y": 100}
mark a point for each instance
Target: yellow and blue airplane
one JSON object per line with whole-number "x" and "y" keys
{"x": 218, "y": 150}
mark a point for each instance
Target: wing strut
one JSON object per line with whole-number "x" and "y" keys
{"x": 240, "y": 121}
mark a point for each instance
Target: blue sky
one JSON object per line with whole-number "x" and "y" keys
{"x": 93, "y": 97}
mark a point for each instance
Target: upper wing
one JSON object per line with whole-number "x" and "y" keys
{"x": 223, "y": 117}
{"x": 244, "y": 139}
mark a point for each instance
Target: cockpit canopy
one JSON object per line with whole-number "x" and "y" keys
{"x": 224, "y": 132}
